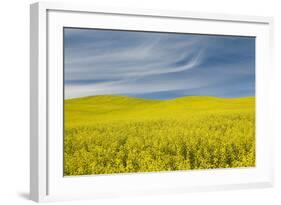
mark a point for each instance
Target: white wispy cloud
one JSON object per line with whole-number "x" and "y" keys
{"x": 131, "y": 63}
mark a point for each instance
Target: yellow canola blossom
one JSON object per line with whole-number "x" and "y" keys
{"x": 118, "y": 134}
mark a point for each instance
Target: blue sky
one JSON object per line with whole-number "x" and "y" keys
{"x": 157, "y": 65}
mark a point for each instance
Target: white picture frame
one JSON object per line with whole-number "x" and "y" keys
{"x": 47, "y": 182}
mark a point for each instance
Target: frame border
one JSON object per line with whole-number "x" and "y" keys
{"x": 39, "y": 188}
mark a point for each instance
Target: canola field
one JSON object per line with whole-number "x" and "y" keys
{"x": 119, "y": 134}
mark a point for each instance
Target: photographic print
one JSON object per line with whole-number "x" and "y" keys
{"x": 139, "y": 101}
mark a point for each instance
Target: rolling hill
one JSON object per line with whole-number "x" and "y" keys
{"x": 117, "y": 134}
{"x": 110, "y": 108}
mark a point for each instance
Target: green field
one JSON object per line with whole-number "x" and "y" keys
{"x": 118, "y": 134}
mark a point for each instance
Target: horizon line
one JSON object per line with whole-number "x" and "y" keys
{"x": 184, "y": 96}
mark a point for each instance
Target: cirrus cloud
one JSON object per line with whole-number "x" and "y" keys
{"x": 142, "y": 64}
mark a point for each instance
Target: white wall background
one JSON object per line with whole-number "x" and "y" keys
{"x": 14, "y": 101}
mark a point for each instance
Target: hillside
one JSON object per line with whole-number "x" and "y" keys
{"x": 110, "y": 107}
{"x": 117, "y": 134}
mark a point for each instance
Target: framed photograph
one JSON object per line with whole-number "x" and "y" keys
{"x": 131, "y": 102}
